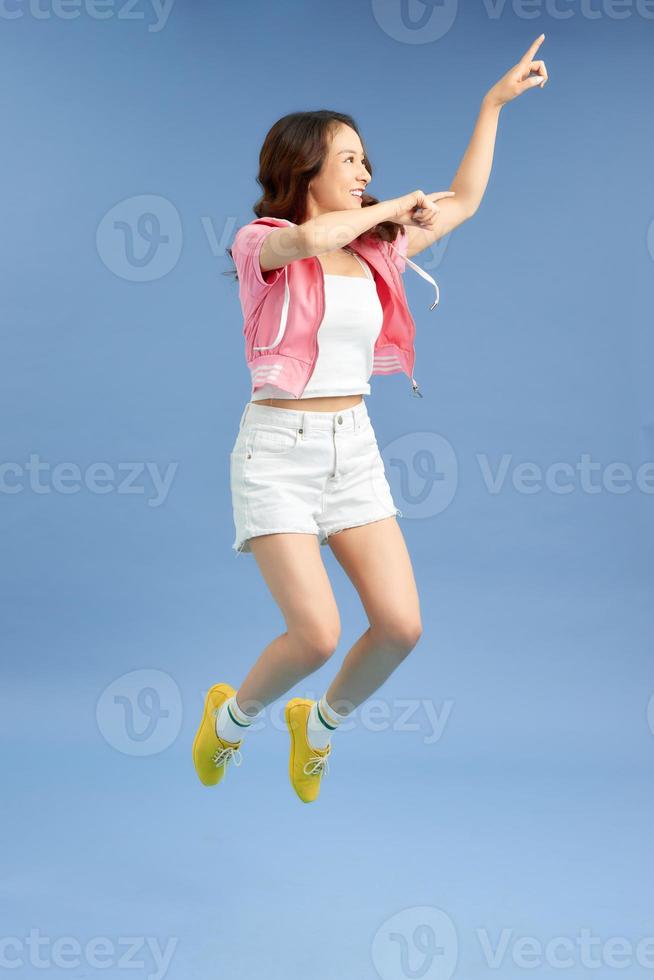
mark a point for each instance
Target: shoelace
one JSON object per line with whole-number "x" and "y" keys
{"x": 317, "y": 765}
{"x": 222, "y": 757}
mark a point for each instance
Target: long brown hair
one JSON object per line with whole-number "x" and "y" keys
{"x": 292, "y": 154}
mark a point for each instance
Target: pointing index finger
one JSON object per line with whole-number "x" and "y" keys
{"x": 532, "y": 49}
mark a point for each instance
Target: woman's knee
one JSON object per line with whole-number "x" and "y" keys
{"x": 399, "y": 633}
{"x": 317, "y": 640}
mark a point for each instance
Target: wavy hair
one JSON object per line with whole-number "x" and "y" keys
{"x": 292, "y": 154}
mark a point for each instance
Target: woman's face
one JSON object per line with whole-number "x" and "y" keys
{"x": 342, "y": 172}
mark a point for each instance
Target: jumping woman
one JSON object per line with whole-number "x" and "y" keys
{"x": 324, "y": 307}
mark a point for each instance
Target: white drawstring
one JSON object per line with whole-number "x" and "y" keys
{"x": 421, "y": 272}
{"x": 222, "y": 756}
{"x": 318, "y": 765}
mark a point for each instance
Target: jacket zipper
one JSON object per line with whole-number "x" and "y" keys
{"x": 414, "y": 384}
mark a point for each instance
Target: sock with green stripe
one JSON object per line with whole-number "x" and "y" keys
{"x": 232, "y": 723}
{"x": 321, "y": 722}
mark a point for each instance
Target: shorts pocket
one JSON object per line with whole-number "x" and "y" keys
{"x": 272, "y": 440}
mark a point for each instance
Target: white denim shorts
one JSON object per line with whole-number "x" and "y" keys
{"x": 306, "y": 471}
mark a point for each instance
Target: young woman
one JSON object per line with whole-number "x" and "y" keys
{"x": 324, "y": 309}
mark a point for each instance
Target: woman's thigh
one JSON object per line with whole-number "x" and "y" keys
{"x": 293, "y": 569}
{"x": 377, "y": 562}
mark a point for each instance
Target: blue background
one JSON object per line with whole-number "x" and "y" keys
{"x": 532, "y": 810}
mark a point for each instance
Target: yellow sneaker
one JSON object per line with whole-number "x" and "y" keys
{"x": 212, "y": 754}
{"x": 307, "y": 764}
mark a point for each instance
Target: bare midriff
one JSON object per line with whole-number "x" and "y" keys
{"x": 331, "y": 403}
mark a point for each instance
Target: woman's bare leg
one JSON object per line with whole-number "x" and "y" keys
{"x": 376, "y": 560}
{"x": 294, "y": 572}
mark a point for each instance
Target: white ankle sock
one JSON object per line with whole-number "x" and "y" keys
{"x": 231, "y": 722}
{"x": 321, "y": 722}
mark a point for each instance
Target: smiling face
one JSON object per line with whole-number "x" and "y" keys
{"x": 342, "y": 172}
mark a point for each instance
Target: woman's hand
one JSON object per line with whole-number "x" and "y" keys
{"x": 418, "y": 209}
{"x": 518, "y": 79}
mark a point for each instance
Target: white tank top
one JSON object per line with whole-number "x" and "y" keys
{"x": 346, "y": 339}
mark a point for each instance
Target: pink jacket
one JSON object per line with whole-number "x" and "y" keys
{"x": 283, "y": 309}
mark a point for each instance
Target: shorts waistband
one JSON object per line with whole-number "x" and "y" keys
{"x": 343, "y": 420}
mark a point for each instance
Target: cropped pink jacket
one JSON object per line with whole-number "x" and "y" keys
{"x": 283, "y": 309}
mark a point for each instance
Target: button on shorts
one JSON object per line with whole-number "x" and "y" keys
{"x": 306, "y": 471}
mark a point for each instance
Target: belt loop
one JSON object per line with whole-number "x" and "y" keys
{"x": 244, "y": 415}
